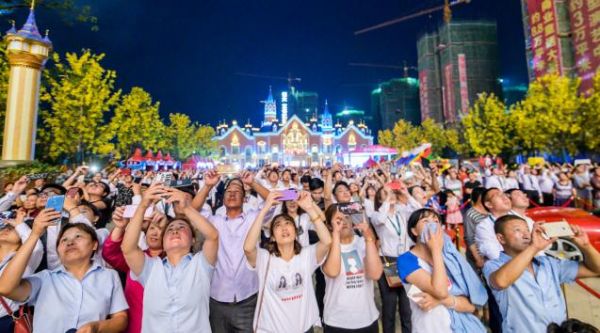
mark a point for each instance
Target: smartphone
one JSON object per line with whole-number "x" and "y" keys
{"x": 227, "y": 169}
{"x": 180, "y": 183}
{"x": 56, "y": 202}
{"x": 557, "y": 229}
{"x": 412, "y": 293}
{"x": 137, "y": 180}
{"x": 395, "y": 186}
{"x": 130, "y": 210}
{"x": 34, "y": 176}
{"x": 351, "y": 208}
{"x": 288, "y": 195}
{"x": 430, "y": 228}
{"x": 354, "y": 210}
{"x": 163, "y": 178}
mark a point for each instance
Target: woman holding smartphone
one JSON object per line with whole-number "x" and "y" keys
{"x": 176, "y": 287}
{"x": 286, "y": 299}
{"x": 13, "y": 234}
{"x": 78, "y": 295}
{"x": 351, "y": 267}
{"x": 443, "y": 289}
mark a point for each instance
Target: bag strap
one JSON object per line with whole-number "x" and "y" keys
{"x": 6, "y": 307}
{"x": 262, "y": 293}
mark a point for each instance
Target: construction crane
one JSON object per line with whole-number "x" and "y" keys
{"x": 445, "y": 7}
{"x": 405, "y": 68}
{"x": 290, "y": 79}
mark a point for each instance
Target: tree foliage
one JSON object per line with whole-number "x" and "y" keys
{"x": 487, "y": 128}
{"x": 137, "y": 123}
{"x": 548, "y": 119}
{"x": 69, "y": 10}
{"x": 77, "y": 98}
{"x": 205, "y": 143}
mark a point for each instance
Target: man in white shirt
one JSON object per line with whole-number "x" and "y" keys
{"x": 234, "y": 286}
{"x": 497, "y": 204}
{"x": 530, "y": 184}
{"x": 496, "y": 180}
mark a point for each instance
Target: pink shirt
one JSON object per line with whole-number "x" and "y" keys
{"x": 134, "y": 291}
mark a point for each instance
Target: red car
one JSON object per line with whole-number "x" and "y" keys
{"x": 564, "y": 248}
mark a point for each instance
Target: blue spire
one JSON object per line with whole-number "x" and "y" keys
{"x": 326, "y": 118}
{"x": 270, "y": 97}
{"x": 30, "y": 29}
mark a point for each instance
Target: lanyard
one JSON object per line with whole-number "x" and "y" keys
{"x": 397, "y": 226}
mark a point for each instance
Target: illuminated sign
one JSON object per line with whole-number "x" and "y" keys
{"x": 462, "y": 78}
{"x": 545, "y": 43}
{"x": 585, "y": 25}
{"x": 284, "y": 106}
{"x": 423, "y": 95}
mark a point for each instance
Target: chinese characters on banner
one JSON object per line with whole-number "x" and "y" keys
{"x": 423, "y": 95}
{"x": 585, "y": 25}
{"x": 545, "y": 43}
{"x": 449, "y": 107}
{"x": 462, "y": 78}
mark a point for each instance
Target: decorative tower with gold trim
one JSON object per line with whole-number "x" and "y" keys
{"x": 27, "y": 53}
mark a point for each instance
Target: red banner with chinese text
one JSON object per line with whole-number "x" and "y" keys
{"x": 545, "y": 43}
{"x": 423, "y": 95}
{"x": 462, "y": 79}
{"x": 449, "y": 108}
{"x": 585, "y": 26}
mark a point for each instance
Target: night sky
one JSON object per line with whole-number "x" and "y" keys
{"x": 186, "y": 53}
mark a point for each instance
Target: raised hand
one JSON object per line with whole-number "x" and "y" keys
{"x": 177, "y": 197}
{"x": 211, "y": 178}
{"x": 20, "y": 185}
{"x": 538, "y": 239}
{"x": 43, "y": 220}
{"x": 580, "y": 238}
{"x": 153, "y": 194}
{"x": 247, "y": 177}
{"x": 305, "y": 201}
{"x": 118, "y": 219}
{"x": 272, "y": 199}
{"x": 436, "y": 239}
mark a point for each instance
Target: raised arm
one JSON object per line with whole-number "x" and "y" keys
{"x": 591, "y": 258}
{"x": 248, "y": 179}
{"x": 506, "y": 275}
{"x": 211, "y": 179}
{"x": 373, "y": 265}
{"x": 81, "y": 170}
{"x": 333, "y": 263}
{"x": 436, "y": 283}
{"x": 208, "y": 231}
{"x": 253, "y": 235}
{"x": 133, "y": 254}
{"x": 306, "y": 203}
{"x": 12, "y": 284}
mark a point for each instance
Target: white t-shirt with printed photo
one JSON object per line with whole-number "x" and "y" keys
{"x": 349, "y": 298}
{"x": 288, "y": 300}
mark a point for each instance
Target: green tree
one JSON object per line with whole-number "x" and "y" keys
{"x": 205, "y": 143}
{"x": 137, "y": 122}
{"x": 548, "y": 119}
{"x": 403, "y": 136}
{"x": 79, "y": 93}
{"x": 487, "y": 127}
{"x": 590, "y": 117}
{"x": 180, "y": 134}
{"x": 434, "y": 133}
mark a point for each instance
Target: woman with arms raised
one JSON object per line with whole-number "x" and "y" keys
{"x": 286, "y": 299}
{"x": 176, "y": 287}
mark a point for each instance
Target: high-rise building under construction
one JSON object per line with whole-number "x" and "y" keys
{"x": 456, "y": 63}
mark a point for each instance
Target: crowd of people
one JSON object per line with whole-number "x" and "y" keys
{"x": 288, "y": 249}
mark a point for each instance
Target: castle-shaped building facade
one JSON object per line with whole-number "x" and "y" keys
{"x": 291, "y": 142}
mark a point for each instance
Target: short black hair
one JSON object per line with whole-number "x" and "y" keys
{"x": 81, "y": 226}
{"x": 305, "y": 179}
{"x": 503, "y": 220}
{"x": 315, "y": 184}
{"x": 477, "y": 193}
{"x": 486, "y": 194}
{"x": 416, "y": 216}
{"x": 510, "y": 191}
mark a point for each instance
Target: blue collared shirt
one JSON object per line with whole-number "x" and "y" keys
{"x": 533, "y": 302}
{"x": 63, "y": 302}
{"x": 176, "y": 297}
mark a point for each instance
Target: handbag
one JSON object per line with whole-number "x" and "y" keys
{"x": 262, "y": 293}
{"x": 22, "y": 320}
{"x": 390, "y": 271}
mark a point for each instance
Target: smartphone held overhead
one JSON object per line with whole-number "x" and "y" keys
{"x": 288, "y": 195}
{"x": 557, "y": 229}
